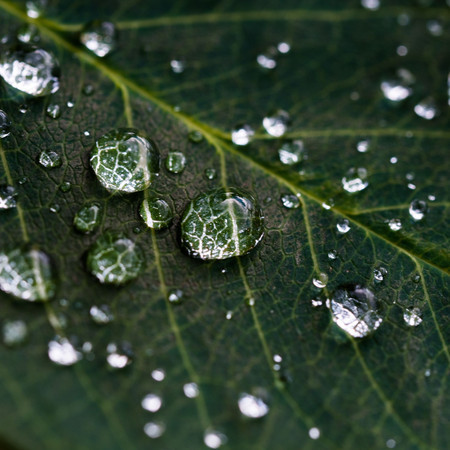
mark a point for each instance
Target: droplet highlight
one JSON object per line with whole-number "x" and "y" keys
{"x": 276, "y": 123}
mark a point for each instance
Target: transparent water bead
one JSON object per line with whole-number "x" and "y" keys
{"x": 210, "y": 173}
{"x": 8, "y": 197}
{"x": 426, "y": 109}
{"x": 35, "y": 8}
{"x": 119, "y": 357}
{"x": 290, "y": 201}
{"x": 191, "y": 390}
{"x": 62, "y": 352}
{"x": 49, "y": 159}
{"x": 267, "y": 60}
{"x": 320, "y": 281}
{"x": 14, "y": 332}
{"x": 26, "y": 273}
{"x": 395, "y": 224}
{"x": 115, "y": 259}
{"x": 29, "y": 69}
{"x": 418, "y": 209}
{"x": 373, "y": 5}
{"x": 177, "y": 66}
{"x": 5, "y": 125}
{"x": 252, "y": 407}
{"x": 88, "y": 217}
{"x": 101, "y": 315}
{"x": 395, "y": 91}
{"x": 379, "y": 274}
{"x": 363, "y": 146}
{"x": 314, "y": 433}
{"x": 276, "y": 123}
{"x": 195, "y": 136}
{"x": 158, "y": 374}
{"x": 221, "y": 223}
{"x": 354, "y": 309}
{"x": 53, "y": 111}
{"x": 154, "y": 430}
{"x": 151, "y": 402}
{"x": 175, "y": 296}
{"x": 292, "y": 152}
{"x": 28, "y": 34}
{"x": 242, "y": 134}
{"x": 156, "y": 213}
{"x": 214, "y": 439}
{"x": 125, "y": 160}
{"x": 355, "y": 180}
{"x": 99, "y": 37}
{"x": 411, "y": 316}
{"x": 175, "y": 162}
{"x": 343, "y": 226}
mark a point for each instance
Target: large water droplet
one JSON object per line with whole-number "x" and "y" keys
{"x": 62, "y": 352}
{"x": 418, "y": 209}
{"x": 290, "y": 201}
{"x": 156, "y": 213}
{"x": 5, "y": 125}
{"x": 88, "y": 217}
{"x": 292, "y": 152}
{"x": 412, "y": 317}
{"x": 276, "y": 123}
{"x": 115, "y": 259}
{"x": 242, "y": 134}
{"x": 101, "y": 315}
{"x": 175, "y": 162}
{"x": 354, "y": 309}
{"x": 26, "y": 273}
{"x": 151, "y": 402}
{"x": 252, "y": 407}
{"x": 355, "y": 180}
{"x": 7, "y": 197}
{"x": 29, "y": 69}
{"x": 49, "y": 159}
{"x": 221, "y": 223}
{"x": 14, "y": 332}
{"x": 125, "y": 161}
{"x": 154, "y": 430}
{"x": 99, "y": 37}
{"x": 214, "y": 439}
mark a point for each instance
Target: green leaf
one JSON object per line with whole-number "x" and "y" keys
{"x": 244, "y": 324}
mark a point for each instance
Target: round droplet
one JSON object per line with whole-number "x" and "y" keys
{"x": 26, "y": 274}
{"x": 290, "y": 201}
{"x": 101, "y": 315}
{"x": 292, "y": 152}
{"x": 99, "y": 37}
{"x": 175, "y": 162}
{"x": 49, "y": 159}
{"x": 62, "y": 352}
{"x": 154, "y": 430}
{"x": 28, "y": 34}
{"x": 14, "y": 332}
{"x": 252, "y": 407}
{"x": 395, "y": 224}
{"x": 435, "y": 27}
{"x": 214, "y": 439}
{"x": 355, "y": 180}
{"x": 363, "y": 146}
{"x": 156, "y": 213}
{"x": 343, "y": 226}
{"x": 276, "y": 123}
{"x": 191, "y": 390}
{"x": 88, "y": 217}
{"x": 195, "y": 136}
{"x": 314, "y": 433}
{"x": 125, "y": 161}
{"x": 221, "y": 223}
{"x": 175, "y": 296}
{"x": 267, "y": 60}
{"x": 120, "y": 356}
{"x": 418, "y": 209}
{"x": 426, "y": 109}
{"x": 158, "y": 374}
{"x": 320, "y": 281}
{"x": 115, "y": 259}
{"x": 151, "y": 402}
{"x": 88, "y": 89}
{"x": 5, "y": 125}
{"x": 29, "y": 69}
{"x": 8, "y": 197}
{"x": 354, "y": 309}
{"x": 210, "y": 173}
{"x": 412, "y": 317}
{"x": 242, "y": 134}
{"x": 53, "y": 111}
{"x": 332, "y": 254}
{"x": 65, "y": 186}
{"x": 379, "y": 274}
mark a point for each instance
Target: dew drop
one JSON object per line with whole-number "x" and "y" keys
{"x": 195, "y": 136}
{"x": 354, "y": 309}
{"x": 65, "y": 186}
{"x": 343, "y": 226}
{"x": 158, "y": 374}
{"x": 88, "y": 218}
{"x": 175, "y": 296}
{"x": 115, "y": 259}
{"x": 35, "y": 8}
{"x": 62, "y": 352}
{"x": 177, "y": 66}
{"x": 191, "y": 390}
{"x": 290, "y": 201}
{"x": 221, "y": 223}
{"x": 411, "y": 316}
{"x": 372, "y": 5}
{"x": 88, "y": 89}
{"x": 252, "y": 407}
{"x": 14, "y": 332}
{"x": 101, "y": 315}
{"x": 49, "y": 159}
{"x": 332, "y": 254}
{"x": 320, "y": 281}
{"x": 363, "y": 146}
{"x": 292, "y": 152}
{"x": 395, "y": 224}
{"x": 435, "y": 28}
{"x": 8, "y": 197}
{"x": 156, "y": 213}
{"x": 214, "y": 439}
{"x": 28, "y": 34}
{"x": 154, "y": 430}
{"x": 151, "y": 402}
{"x": 70, "y": 104}
{"x": 418, "y": 209}
{"x": 99, "y": 37}
{"x": 379, "y": 274}
{"x": 283, "y": 47}
{"x": 355, "y": 180}
{"x": 276, "y": 123}
{"x": 242, "y": 134}
{"x": 316, "y": 303}
{"x": 314, "y": 433}
{"x": 5, "y": 125}
{"x": 53, "y": 111}
{"x": 29, "y": 69}
{"x": 125, "y": 161}
{"x": 267, "y": 60}
{"x": 210, "y": 173}
{"x": 55, "y": 208}
{"x": 23, "y": 108}
{"x": 175, "y": 162}
{"x": 402, "y": 50}
{"x": 119, "y": 358}
{"x": 229, "y": 315}
{"x": 395, "y": 91}
{"x": 393, "y": 160}
{"x": 426, "y": 109}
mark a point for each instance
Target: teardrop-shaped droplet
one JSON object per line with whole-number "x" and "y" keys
{"x": 418, "y": 209}
{"x": 355, "y": 180}
{"x": 49, "y": 159}
{"x": 292, "y": 152}
{"x": 99, "y": 37}
{"x": 175, "y": 162}
{"x": 115, "y": 259}
{"x": 5, "y": 125}
{"x": 8, "y": 197}
{"x": 88, "y": 217}
{"x": 276, "y": 123}
{"x": 125, "y": 160}
{"x": 221, "y": 223}
{"x": 242, "y": 134}
{"x": 156, "y": 213}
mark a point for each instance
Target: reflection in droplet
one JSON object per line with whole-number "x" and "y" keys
{"x": 8, "y": 197}
{"x": 156, "y": 213}
{"x": 99, "y": 37}
{"x": 214, "y": 439}
{"x": 154, "y": 430}
{"x": 14, "y": 332}
{"x": 242, "y": 134}
{"x": 191, "y": 390}
{"x": 292, "y": 152}
{"x": 412, "y": 317}
{"x": 418, "y": 209}
{"x": 62, "y": 352}
{"x": 88, "y": 217}
{"x": 355, "y": 180}
{"x": 175, "y": 162}
{"x": 276, "y": 123}
{"x": 53, "y": 111}
{"x": 426, "y": 109}
{"x": 151, "y": 402}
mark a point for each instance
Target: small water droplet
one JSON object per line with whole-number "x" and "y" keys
{"x": 156, "y": 213}
{"x": 177, "y": 66}
{"x": 372, "y": 5}
{"x": 252, "y": 407}
{"x": 210, "y": 173}
{"x": 290, "y": 201}
{"x": 426, "y": 109}
{"x": 292, "y": 152}
{"x": 65, "y": 186}
{"x": 402, "y": 50}
{"x": 53, "y": 111}
{"x": 395, "y": 91}
{"x": 125, "y": 160}
{"x": 242, "y": 134}
{"x": 5, "y": 125}
{"x": 154, "y": 430}
{"x": 62, "y": 352}
{"x": 320, "y": 281}
{"x": 88, "y": 89}
{"x": 49, "y": 159}
{"x": 395, "y": 224}
{"x": 35, "y": 8}
{"x": 316, "y": 303}
{"x": 276, "y": 123}
{"x": 55, "y": 208}
{"x": 28, "y": 34}
{"x": 283, "y": 47}
{"x": 403, "y": 19}
{"x": 314, "y": 433}
{"x": 175, "y": 162}
{"x": 191, "y": 390}
{"x": 363, "y": 146}
{"x": 418, "y": 209}
{"x": 355, "y": 180}
{"x": 22, "y": 180}
{"x": 101, "y": 315}
{"x": 379, "y": 274}
{"x": 114, "y": 259}
{"x": 8, "y": 197}
{"x": 393, "y": 160}
{"x": 343, "y": 226}
{"x": 14, "y": 332}
{"x": 390, "y": 443}
{"x": 195, "y": 136}
{"x": 435, "y": 27}
{"x": 427, "y": 372}
{"x": 412, "y": 317}
{"x": 151, "y": 402}
{"x": 214, "y": 439}
{"x": 158, "y": 374}
{"x": 221, "y": 223}
{"x": 119, "y": 357}
{"x": 99, "y": 37}
{"x": 332, "y": 254}
{"x": 267, "y": 60}
{"x": 88, "y": 217}
{"x": 23, "y": 108}
{"x": 354, "y": 309}
{"x": 175, "y": 296}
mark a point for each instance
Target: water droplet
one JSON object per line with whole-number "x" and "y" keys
{"x": 426, "y": 109}
{"x": 412, "y": 317}
{"x": 343, "y": 226}
{"x": 156, "y": 213}
{"x": 403, "y": 19}
{"x": 195, "y": 136}
{"x": 175, "y": 162}
{"x": 354, "y": 309}
{"x": 435, "y": 28}
{"x": 250, "y": 301}
{"x": 417, "y": 209}
{"x": 402, "y": 50}
{"x": 390, "y": 443}
{"x": 125, "y": 161}
{"x": 55, "y": 208}
{"x": 395, "y": 91}
{"x": 283, "y": 47}
{"x": 28, "y": 34}
{"x": 65, "y": 186}
{"x": 99, "y": 37}
{"x": 355, "y": 180}
{"x": 8, "y": 197}
{"x": 88, "y": 217}
{"x": 5, "y": 125}
{"x": 23, "y": 108}
{"x": 320, "y": 281}
{"x": 276, "y": 123}
{"x": 88, "y": 89}
{"x": 26, "y": 273}
{"x": 427, "y": 372}
{"x": 22, "y": 180}
{"x": 314, "y": 433}
{"x": 191, "y": 390}
{"x": 70, "y": 104}
{"x": 158, "y": 374}
{"x": 154, "y": 430}
{"x": 290, "y": 201}
{"x": 229, "y": 315}
{"x": 175, "y": 296}
{"x": 14, "y": 332}
{"x": 177, "y": 66}
{"x": 252, "y": 407}
{"x": 214, "y": 439}
{"x": 373, "y": 5}
{"x": 49, "y": 159}
{"x": 395, "y": 224}
{"x": 379, "y": 274}
{"x": 151, "y": 402}
{"x": 119, "y": 358}
{"x": 267, "y": 60}
{"x": 363, "y": 146}
{"x": 53, "y": 111}
{"x": 210, "y": 173}
{"x": 393, "y": 160}
{"x": 316, "y": 303}
{"x": 29, "y": 69}
{"x": 411, "y": 186}
{"x": 101, "y": 315}
{"x": 242, "y": 134}
{"x": 221, "y": 223}
{"x": 332, "y": 254}
{"x": 35, "y": 8}
{"x": 114, "y": 259}
{"x": 292, "y": 152}
{"x": 62, "y": 352}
